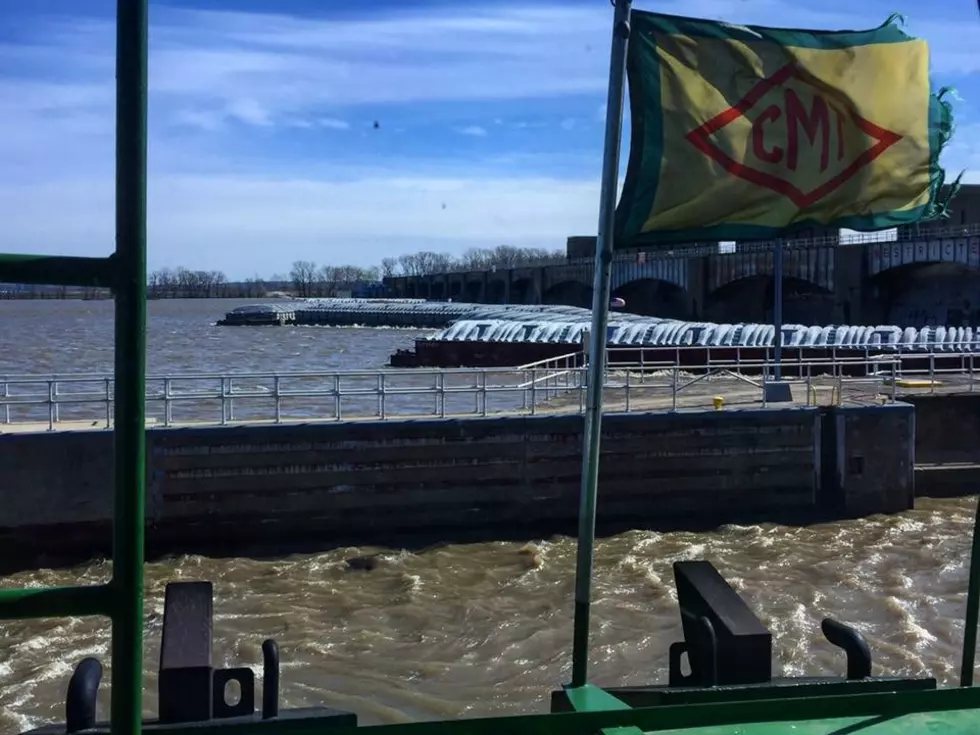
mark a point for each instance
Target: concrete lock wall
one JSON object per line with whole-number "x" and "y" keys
{"x": 230, "y": 489}
{"x": 869, "y": 459}
{"x": 947, "y": 443}
{"x": 948, "y": 426}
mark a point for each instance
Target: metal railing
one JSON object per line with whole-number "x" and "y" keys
{"x": 552, "y": 385}
{"x": 929, "y": 359}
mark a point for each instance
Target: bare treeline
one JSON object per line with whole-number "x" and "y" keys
{"x": 475, "y": 259}
{"x": 181, "y": 283}
{"x": 306, "y": 278}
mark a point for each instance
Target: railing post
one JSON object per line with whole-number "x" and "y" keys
{"x": 534, "y": 395}
{"x": 336, "y": 394}
{"x": 231, "y": 398}
{"x": 108, "y": 402}
{"x": 674, "y": 377}
{"x": 382, "y": 402}
{"x": 482, "y": 394}
{"x": 524, "y": 389}
{"x": 52, "y": 391}
{"x": 167, "y": 410}
{"x": 6, "y": 406}
{"x": 627, "y": 391}
{"x": 476, "y": 393}
{"x": 441, "y": 396}
{"x": 224, "y": 405}
{"x": 277, "y": 392}
{"x": 932, "y": 373}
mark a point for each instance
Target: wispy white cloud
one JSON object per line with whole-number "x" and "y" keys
{"x": 259, "y": 66}
{"x": 209, "y": 120}
{"x": 333, "y": 123}
{"x": 474, "y": 130}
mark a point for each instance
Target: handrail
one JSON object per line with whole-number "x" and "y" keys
{"x": 838, "y": 354}
{"x": 567, "y": 358}
{"x": 222, "y": 399}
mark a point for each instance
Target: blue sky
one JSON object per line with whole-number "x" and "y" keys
{"x": 262, "y": 144}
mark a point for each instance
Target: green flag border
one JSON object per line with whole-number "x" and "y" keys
{"x": 636, "y": 200}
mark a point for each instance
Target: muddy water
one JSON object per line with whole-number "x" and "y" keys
{"x": 469, "y": 630}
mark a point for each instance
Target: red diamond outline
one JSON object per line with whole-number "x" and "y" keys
{"x": 700, "y": 139}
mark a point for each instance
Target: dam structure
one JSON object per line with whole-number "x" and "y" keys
{"x": 918, "y": 275}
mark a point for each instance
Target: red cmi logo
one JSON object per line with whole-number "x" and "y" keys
{"x": 802, "y": 151}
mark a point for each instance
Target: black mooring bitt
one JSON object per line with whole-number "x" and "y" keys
{"x": 725, "y": 642}
{"x": 83, "y": 691}
{"x": 186, "y": 679}
{"x": 191, "y": 690}
{"x": 270, "y": 679}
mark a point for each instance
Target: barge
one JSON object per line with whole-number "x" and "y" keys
{"x": 506, "y": 335}
{"x": 406, "y": 313}
{"x": 475, "y": 343}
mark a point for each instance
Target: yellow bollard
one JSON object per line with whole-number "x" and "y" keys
{"x": 718, "y": 402}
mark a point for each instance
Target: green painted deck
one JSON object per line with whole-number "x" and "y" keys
{"x": 958, "y": 722}
{"x": 951, "y": 711}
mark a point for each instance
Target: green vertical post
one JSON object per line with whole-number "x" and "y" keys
{"x": 592, "y": 430}
{"x": 972, "y": 607}
{"x": 130, "y": 366}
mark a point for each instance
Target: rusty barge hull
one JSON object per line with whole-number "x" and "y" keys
{"x": 456, "y": 353}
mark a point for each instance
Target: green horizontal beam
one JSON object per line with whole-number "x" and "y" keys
{"x": 55, "y": 602}
{"x": 946, "y": 702}
{"x": 57, "y": 270}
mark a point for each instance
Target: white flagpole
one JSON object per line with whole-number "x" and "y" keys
{"x": 597, "y": 343}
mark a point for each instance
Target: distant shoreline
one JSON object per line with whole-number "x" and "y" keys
{"x": 104, "y": 294}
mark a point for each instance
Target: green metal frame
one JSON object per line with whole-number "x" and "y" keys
{"x": 122, "y": 598}
{"x": 125, "y": 272}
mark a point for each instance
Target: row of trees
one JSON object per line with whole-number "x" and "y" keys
{"x": 426, "y": 262}
{"x": 306, "y": 278}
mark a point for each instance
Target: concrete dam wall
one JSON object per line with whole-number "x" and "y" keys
{"x": 262, "y": 489}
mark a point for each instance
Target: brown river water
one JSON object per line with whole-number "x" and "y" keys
{"x": 462, "y": 631}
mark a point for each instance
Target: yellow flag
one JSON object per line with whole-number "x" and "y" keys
{"x": 745, "y": 132}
